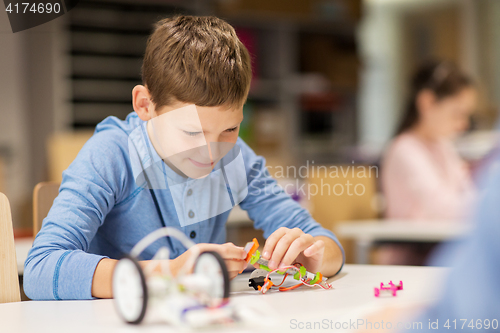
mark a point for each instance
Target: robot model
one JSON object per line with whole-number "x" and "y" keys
{"x": 196, "y": 296}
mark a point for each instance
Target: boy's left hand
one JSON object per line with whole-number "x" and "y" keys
{"x": 287, "y": 246}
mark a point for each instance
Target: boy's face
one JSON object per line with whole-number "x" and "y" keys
{"x": 192, "y": 139}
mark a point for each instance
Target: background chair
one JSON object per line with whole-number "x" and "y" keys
{"x": 339, "y": 202}
{"x": 9, "y": 278}
{"x": 43, "y": 198}
{"x": 62, "y": 149}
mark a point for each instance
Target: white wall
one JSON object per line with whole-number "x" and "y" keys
{"x": 381, "y": 96}
{"x": 380, "y": 93}
{"x": 14, "y": 134}
{"x": 492, "y": 39}
{"x": 32, "y": 105}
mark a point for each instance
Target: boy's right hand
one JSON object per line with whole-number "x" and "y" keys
{"x": 234, "y": 257}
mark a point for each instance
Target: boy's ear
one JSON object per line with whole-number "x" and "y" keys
{"x": 141, "y": 102}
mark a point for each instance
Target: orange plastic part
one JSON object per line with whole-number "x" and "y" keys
{"x": 290, "y": 288}
{"x": 254, "y": 247}
{"x": 267, "y": 285}
{"x": 252, "y": 250}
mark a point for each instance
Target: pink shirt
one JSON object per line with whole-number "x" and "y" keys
{"x": 422, "y": 180}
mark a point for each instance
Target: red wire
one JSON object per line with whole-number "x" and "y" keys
{"x": 290, "y": 288}
{"x": 284, "y": 278}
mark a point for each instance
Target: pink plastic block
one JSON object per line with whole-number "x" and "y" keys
{"x": 390, "y": 287}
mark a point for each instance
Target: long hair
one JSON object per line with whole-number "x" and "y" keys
{"x": 443, "y": 78}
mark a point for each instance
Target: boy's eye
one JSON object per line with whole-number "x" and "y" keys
{"x": 192, "y": 133}
{"x": 232, "y": 129}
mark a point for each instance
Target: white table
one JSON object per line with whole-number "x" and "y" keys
{"x": 366, "y": 232}
{"x": 350, "y": 299}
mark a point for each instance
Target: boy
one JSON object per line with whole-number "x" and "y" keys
{"x": 137, "y": 175}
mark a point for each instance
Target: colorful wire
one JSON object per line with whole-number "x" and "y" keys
{"x": 302, "y": 282}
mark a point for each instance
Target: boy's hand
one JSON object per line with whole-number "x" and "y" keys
{"x": 287, "y": 246}
{"x": 234, "y": 257}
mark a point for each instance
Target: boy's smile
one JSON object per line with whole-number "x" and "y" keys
{"x": 201, "y": 165}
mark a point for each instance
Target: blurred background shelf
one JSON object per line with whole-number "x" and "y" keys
{"x": 106, "y": 42}
{"x": 298, "y": 48}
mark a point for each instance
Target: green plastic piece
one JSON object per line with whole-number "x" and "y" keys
{"x": 316, "y": 279}
{"x": 255, "y": 257}
{"x": 268, "y": 269}
{"x": 300, "y": 273}
{"x": 264, "y": 267}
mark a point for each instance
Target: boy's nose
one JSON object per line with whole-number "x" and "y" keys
{"x": 205, "y": 154}
{"x": 212, "y": 149}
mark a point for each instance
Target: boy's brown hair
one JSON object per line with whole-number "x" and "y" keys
{"x": 197, "y": 60}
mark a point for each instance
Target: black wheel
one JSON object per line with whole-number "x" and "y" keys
{"x": 129, "y": 290}
{"x": 213, "y": 267}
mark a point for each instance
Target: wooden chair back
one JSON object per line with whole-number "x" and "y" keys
{"x": 43, "y": 198}
{"x": 62, "y": 149}
{"x": 9, "y": 277}
{"x": 345, "y": 193}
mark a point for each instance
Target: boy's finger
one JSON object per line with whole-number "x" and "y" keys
{"x": 227, "y": 251}
{"x": 282, "y": 247}
{"x": 271, "y": 242}
{"x": 317, "y": 247}
{"x": 305, "y": 241}
{"x": 235, "y": 265}
{"x": 233, "y": 252}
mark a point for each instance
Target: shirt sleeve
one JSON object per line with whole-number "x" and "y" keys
{"x": 58, "y": 265}
{"x": 270, "y": 207}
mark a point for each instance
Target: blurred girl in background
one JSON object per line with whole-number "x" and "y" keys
{"x": 423, "y": 178}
